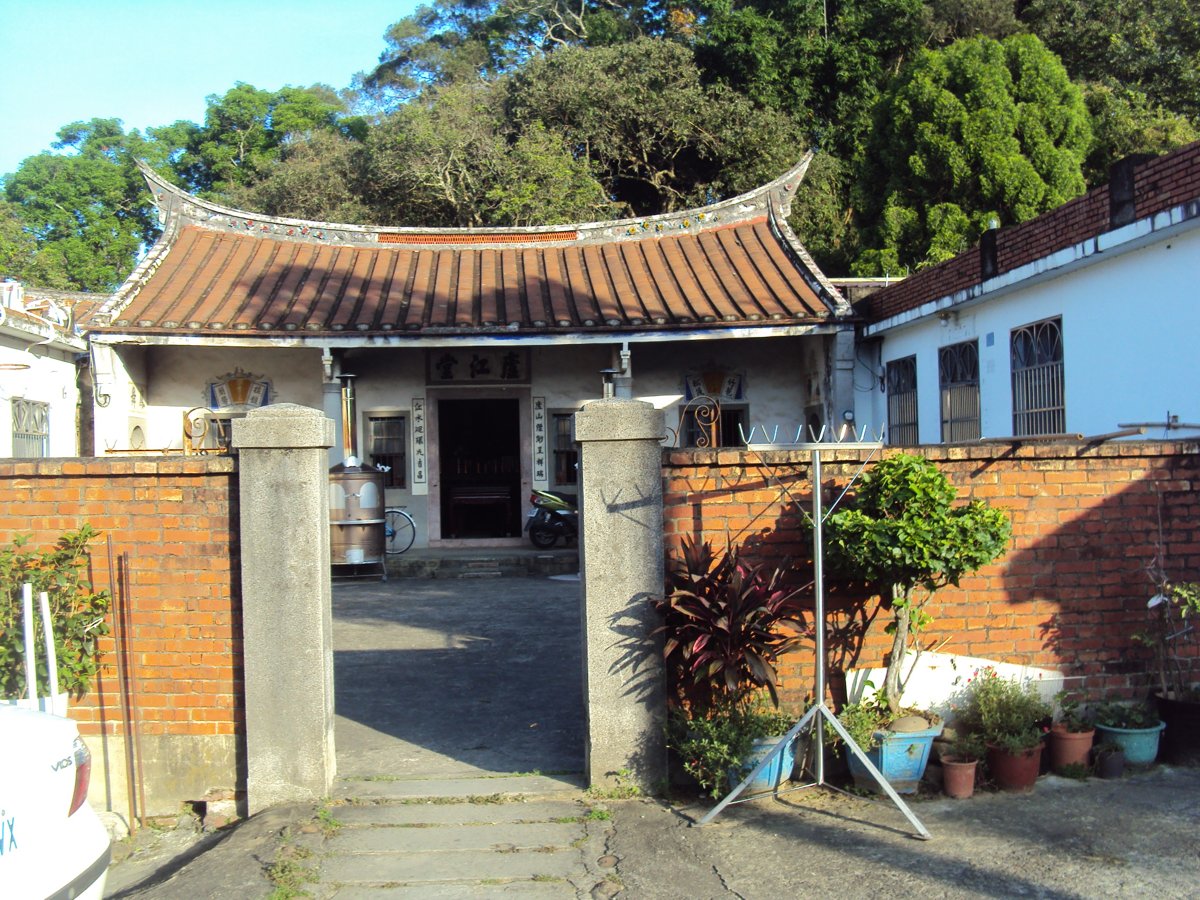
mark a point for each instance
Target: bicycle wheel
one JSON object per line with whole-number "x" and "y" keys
{"x": 399, "y": 531}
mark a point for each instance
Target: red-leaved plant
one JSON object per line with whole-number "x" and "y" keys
{"x": 725, "y": 623}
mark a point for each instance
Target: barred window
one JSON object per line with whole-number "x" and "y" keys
{"x": 566, "y": 456}
{"x": 30, "y": 428}
{"x": 958, "y": 375}
{"x": 387, "y": 446}
{"x": 902, "y": 401}
{"x": 1038, "y": 387}
{"x": 717, "y": 425}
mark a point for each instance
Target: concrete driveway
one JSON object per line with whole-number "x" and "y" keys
{"x": 448, "y": 687}
{"x": 458, "y": 677}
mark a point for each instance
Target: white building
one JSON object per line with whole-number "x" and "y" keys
{"x": 1080, "y": 322}
{"x": 38, "y": 375}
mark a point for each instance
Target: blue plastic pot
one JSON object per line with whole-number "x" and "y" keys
{"x": 1140, "y": 744}
{"x": 777, "y": 771}
{"x": 900, "y": 756}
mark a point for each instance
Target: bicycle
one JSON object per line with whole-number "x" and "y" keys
{"x": 399, "y": 531}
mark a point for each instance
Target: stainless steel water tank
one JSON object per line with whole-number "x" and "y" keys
{"x": 355, "y": 515}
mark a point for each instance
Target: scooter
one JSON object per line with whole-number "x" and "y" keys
{"x": 553, "y": 516}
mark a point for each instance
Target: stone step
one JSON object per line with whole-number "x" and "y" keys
{"x": 467, "y": 836}
{"x": 482, "y": 563}
{"x": 506, "y": 786}
{"x": 458, "y": 867}
{"x": 504, "y": 837}
{"x": 420, "y": 813}
{"x": 555, "y": 888}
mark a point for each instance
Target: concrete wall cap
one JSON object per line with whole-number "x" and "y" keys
{"x": 283, "y": 426}
{"x": 285, "y": 410}
{"x": 619, "y": 420}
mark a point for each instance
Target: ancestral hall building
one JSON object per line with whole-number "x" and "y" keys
{"x": 471, "y": 349}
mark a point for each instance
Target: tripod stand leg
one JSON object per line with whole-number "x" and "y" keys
{"x": 775, "y": 751}
{"x": 922, "y": 832}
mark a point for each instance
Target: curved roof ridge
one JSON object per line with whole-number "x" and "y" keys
{"x": 177, "y": 206}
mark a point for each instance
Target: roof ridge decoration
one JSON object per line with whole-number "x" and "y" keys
{"x": 737, "y": 258}
{"x": 177, "y": 208}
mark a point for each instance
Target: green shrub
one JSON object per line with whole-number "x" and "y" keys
{"x": 77, "y": 610}
{"x": 1003, "y": 711}
{"x": 711, "y": 746}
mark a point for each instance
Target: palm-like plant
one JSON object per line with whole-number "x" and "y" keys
{"x": 725, "y": 624}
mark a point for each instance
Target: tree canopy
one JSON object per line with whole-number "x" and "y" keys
{"x": 931, "y": 118}
{"x": 85, "y": 208}
{"x": 982, "y": 134}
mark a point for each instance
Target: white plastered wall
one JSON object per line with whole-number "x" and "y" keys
{"x": 40, "y": 374}
{"x": 1129, "y": 323}
{"x": 155, "y": 386}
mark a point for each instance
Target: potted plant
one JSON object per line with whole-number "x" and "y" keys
{"x": 1071, "y": 735}
{"x": 1173, "y": 611}
{"x": 721, "y": 747}
{"x": 77, "y": 612}
{"x": 904, "y": 533}
{"x": 898, "y": 746}
{"x": 725, "y": 623}
{"x": 959, "y": 764}
{"x": 1136, "y": 727}
{"x": 1011, "y": 718}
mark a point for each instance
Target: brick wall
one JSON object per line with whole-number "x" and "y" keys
{"x": 177, "y": 520}
{"x": 1068, "y": 594}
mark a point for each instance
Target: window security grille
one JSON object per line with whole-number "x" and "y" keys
{"x": 958, "y": 374}
{"x": 726, "y": 430}
{"x": 387, "y": 445}
{"x": 30, "y": 428}
{"x": 902, "y": 401}
{"x": 565, "y": 455}
{"x": 1038, "y": 391}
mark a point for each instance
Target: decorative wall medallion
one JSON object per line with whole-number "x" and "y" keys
{"x": 720, "y": 384}
{"x": 238, "y": 391}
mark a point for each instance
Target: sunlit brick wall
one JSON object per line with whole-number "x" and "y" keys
{"x": 176, "y": 520}
{"x": 1068, "y": 594}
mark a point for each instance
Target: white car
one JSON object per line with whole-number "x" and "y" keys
{"x": 52, "y": 844}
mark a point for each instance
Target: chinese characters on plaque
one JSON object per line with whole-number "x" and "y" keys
{"x": 419, "y": 455}
{"x": 471, "y": 365}
{"x": 541, "y": 477}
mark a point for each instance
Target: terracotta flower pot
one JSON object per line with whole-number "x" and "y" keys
{"x": 958, "y": 777}
{"x": 1069, "y": 748}
{"x": 1014, "y": 771}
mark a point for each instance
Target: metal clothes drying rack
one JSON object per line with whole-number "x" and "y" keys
{"x": 819, "y": 711}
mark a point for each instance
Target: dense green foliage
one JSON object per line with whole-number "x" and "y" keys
{"x": 982, "y": 133}
{"x": 904, "y": 532}
{"x": 1003, "y": 712}
{"x": 931, "y": 118}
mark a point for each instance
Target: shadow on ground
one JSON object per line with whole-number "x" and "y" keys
{"x": 445, "y": 677}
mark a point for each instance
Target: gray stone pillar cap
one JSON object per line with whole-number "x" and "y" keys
{"x": 614, "y": 419}
{"x": 283, "y": 426}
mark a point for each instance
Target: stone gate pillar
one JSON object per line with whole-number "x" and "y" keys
{"x": 287, "y": 626}
{"x": 621, "y": 559}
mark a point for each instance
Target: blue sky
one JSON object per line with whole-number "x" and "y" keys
{"x": 152, "y": 63}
